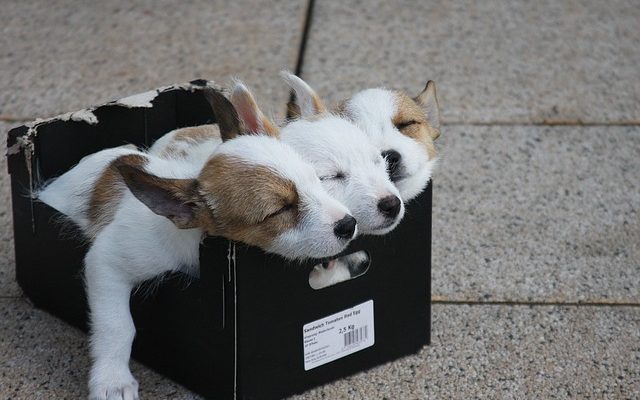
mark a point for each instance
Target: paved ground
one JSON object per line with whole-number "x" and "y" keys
{"x": 536, "y": 249}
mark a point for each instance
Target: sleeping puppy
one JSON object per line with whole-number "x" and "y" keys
{"x": 404, "y": 129}
{"x": 146, "y": 215}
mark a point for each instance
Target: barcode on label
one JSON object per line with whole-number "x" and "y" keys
{"x": 355, "y": 336}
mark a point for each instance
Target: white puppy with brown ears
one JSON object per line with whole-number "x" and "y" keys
{"x": 146, "y": 215}
{"x": 350, "y": 166}
{"x": 404, "y": 129}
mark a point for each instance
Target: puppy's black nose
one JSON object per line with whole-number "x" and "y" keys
{"x": 393, "y": 161}
{"x": 389, "y": 206}
{"x": 345, "y": 228}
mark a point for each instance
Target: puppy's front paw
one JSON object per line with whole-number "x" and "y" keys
{"x": 104, "y": 384}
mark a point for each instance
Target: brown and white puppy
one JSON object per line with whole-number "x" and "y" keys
{"x": 146, "y": 215}
{"x": 404, "y": 129}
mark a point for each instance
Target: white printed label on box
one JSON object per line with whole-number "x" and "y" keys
{"x": 338, "y": 335}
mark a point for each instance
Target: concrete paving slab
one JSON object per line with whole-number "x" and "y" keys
{"x": 476, "y": 352}
{"x": 537, "y": 214}
{"x": 492, "y": 60}
{"x": 62, "y": 56}
{"x": 8, "y": 285}
{"x": 44, "y": 358}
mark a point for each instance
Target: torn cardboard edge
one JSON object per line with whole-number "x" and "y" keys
{"x": 140, "y": 100}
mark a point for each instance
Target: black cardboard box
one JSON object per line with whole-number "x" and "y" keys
{"x": 239, "y": 330}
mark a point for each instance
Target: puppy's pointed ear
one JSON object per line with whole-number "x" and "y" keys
{"x": 250, "y": 115}
{"x": 225, "y": 114}
{"x": 171, "y": 198}
{"x": 428, "y": 100}
{"x": 293, "y": 110}
{"x": 305, "y": 102}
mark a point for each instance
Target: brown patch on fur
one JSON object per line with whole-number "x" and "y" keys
{"x": 269, "y": 128}
{"x": 198, "y": 134}
{"x": 428, "y": 101}
{"x": 421, "y": 131}
{"x": 108, "y": 191}
{"x": 187, "y": 137}
{"x": 318, "y": 104}
{"x": 340, "y": 109}
{"x": 255, "y": 218}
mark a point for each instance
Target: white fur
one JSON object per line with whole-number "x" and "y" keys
{"x": 333, "y": 146}
{"x": 136, "y": 246}
{"x": 139, "y": 245}
{"x": 373, "y": 110}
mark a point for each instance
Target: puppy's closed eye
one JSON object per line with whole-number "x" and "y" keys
{"x": 405, "y": 124}
{"x": 338, "y": 176}
{"x": 283, "y": 209}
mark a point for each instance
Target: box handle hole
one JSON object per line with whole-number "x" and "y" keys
{"x": 338, "y": 270}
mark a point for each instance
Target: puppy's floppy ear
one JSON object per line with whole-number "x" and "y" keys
{"x": 171, "y": 198}
{"x": 250, "y": 115}
{"x": 225, "y": 114}
{"x": 305, "y": 101}
{"x": 428, "y": 100}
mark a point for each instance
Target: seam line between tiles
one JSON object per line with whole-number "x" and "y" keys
{"x": 302, "y": 49}
{"x": 537, "y": 303}
{"x": 542, "y": 123}
{"x": 305, "y": 37}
